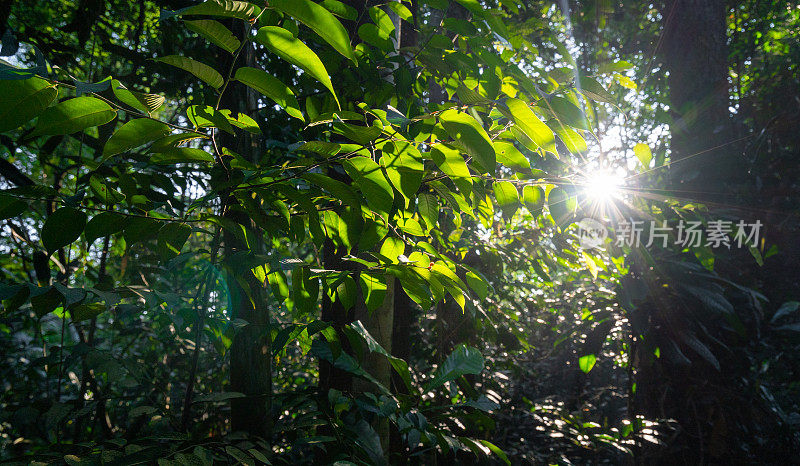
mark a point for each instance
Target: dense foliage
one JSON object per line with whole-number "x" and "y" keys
{"x": 321, "y": 232}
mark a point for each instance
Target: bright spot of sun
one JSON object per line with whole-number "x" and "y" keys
{"x": 603, "y": 186}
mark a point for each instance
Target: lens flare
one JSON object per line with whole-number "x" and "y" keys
{"x": 603, "y": 186}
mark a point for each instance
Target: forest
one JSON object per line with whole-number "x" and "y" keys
{"x": 399, "y": 232}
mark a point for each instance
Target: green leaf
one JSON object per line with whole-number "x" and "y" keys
{"x": 643, "y": 153}
{"x": 785, "y": 309}
{"x": 340, "y": 9}
{"x": 373, "y": 287}
{"x": 478, "y": 284}
{"x": 103, "y": 224}
{"x": 510, "y": 156}
{"x": 62, "y": 227}
{"x": 206, "y": 116}
{"x": 105, "y": 193}
{"x": 11, "y": 206}
{"x": 23, "y": 99}
{"x": 271, "y": 87}
{"x": 625, "y": 81}
{"x": 201, "y": 71}
{"x": 533, "y": 197}
{"x": 404, "y": 167}
{"x": 428, "y": 209}
{"x": 613, "y": 67}
{"x": 392, "y": 248}
{"x": 171, "y": 238}
{"x": 320, "y": 20}
{"x": 305, "y": 290}
{"x": 46, "y": 300}
{"x": 496, "y": 450}
{"x": 469, "y": 133}
{"x": 81, "y": 312}
{"x": 73, "y": 115}
{"x": 452, "y": 164}
{"x": 174, "y": 155}
{"x": 363, "y": 135}
{"x": 285, "y": 45}
{"x": 531, "y": 125}
{"x": 567, "y": 113}
{"x": 215, "y": 32}
{"x": 507, "y": 197}
{"x": 145, "y": 102}
{"x": 134, "y": 134}
{"x": 561, "y": 207}
{"x": 340, "y": 191}
{"x": 368, "y": 176}
{"x": 586, "y": 363}
{"x": 224, "y": 9}
{"x": 571, "y": 139}
{"x": 463, "y": 360}
{"x": 595, "y": 91}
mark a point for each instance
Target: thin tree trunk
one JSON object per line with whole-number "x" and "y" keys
{"x": 250, "y": 351}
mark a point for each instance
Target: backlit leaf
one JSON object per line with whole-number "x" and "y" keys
{"x": 469, "y": 133}
{"x": 320, "y": 20}
{"x": 215, "y": 32}
{"x": 285, "y": 45}
{"x": 73, "y": 115}
{"x": 201, "y": 71}
{"x": 134, "y": 134}
{"x": 271, "y": 87}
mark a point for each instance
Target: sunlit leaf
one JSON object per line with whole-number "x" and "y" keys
{"x": 201, "y": 71}
{"x": 73, "y": 115}
{"x": 215, "y": 32}
{"x": 21, "y": 100}
{"x": 271, "y": 87}
{"x": 469, "y": 133}
{"x": 133, "y": 134}
{"x": 285, "y": 45}
{"x": 320, "y": 20}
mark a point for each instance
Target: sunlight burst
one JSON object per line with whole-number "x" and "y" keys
{"x": 602, "y": 186}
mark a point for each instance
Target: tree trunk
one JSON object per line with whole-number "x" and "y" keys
{"x": 695, "y": 54}
{"x": 250, "y": 352}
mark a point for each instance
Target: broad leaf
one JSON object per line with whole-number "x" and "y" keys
{"x": 201, "y": 71}
{"x": 368, "y": 176}
{"x": 62, "y": 227}
{"x": 561, "y": 207}
{"x": 145, "y": 102}
{"x": 643, "y": 153}
{"x": 451, "y": 162}
{"x": 533, "y": 197}
{"x": 224, "y": 9}
{"x": 215, "y": 32}
{"x": 271, "y": 87}
{"x": 181, "y": 155}
{"x": 73, "y": 115}
{"x": 463, "y": 360}
{"x": 531, "y": 125}
{"x": 320, "y": 20}
{"x": 171, "y": 238}
{"x": 285, "y": 45}
{"x": 103, "y": 224}
{"x": 23, "y": 99}
{"x": 133, "y": 134}
{"x": 507, "y": 197}
{"x": 205, "y": 116}
{"x": 469, "y": 133}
